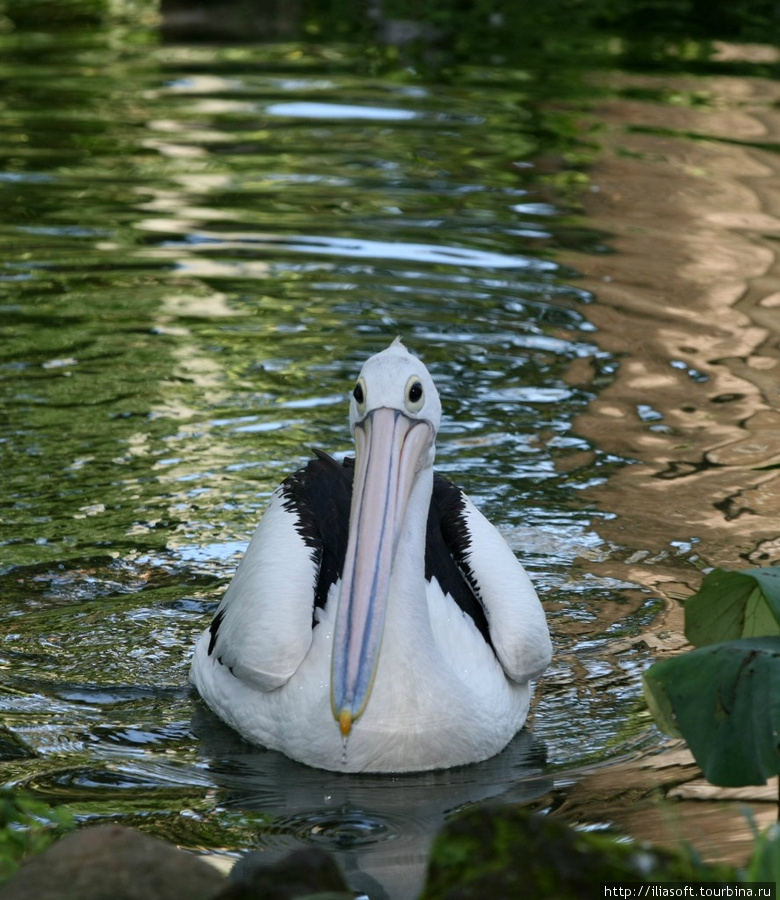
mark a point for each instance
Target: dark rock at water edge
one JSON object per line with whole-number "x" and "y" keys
{"x": 300, "y": 874}
{"x": 111, "y": 862}
{"x": 509, "y": 851}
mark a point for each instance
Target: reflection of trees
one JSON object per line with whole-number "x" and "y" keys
{"x": 232, "y": 19}
{"x": 440, "y": 32}
{"x": 101, "y": 351}
{"x": 131, "y": 167}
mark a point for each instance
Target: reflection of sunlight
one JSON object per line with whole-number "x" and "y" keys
{"x": 199, "y": 457}
{"x": 308, "y": 110}
{"x": 200, "y": 84}
{"x": 754, "y": 53}
{"x": 203, "y": 371}
{"x": 350, "y": 247}
{"x": 193, "y": 368}
{"x": 180, "y": 212}
{"x": 174, "y": 151}
{"x": 688, "y": 300}
{"x": 216, "y": 268}
{"x": 211, "y": 306}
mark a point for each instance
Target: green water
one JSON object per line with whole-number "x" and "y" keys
{"x": 200, "y": 245}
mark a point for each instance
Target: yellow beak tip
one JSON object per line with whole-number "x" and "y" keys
{"x": 345, "y": 722}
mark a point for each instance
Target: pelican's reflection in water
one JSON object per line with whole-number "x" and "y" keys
{"x": 379, "y": 827}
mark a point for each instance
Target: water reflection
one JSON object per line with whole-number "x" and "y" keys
{"x": 708, "y": 435}
{"x": 688, "y": 302}
{"x": 379, "y": 827}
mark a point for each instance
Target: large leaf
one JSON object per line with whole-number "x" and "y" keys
{"x": 764, "y": 864}
{"x": 724, "y": 699}
{"x": 732, "y": 605}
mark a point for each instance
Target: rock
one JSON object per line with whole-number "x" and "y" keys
{"x": 302, "y": 873}
{"x": 509, "y": 851}
{"x": 12, "y": 746}
{"x": 111, "y": 862}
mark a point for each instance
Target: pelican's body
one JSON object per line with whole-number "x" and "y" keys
{"x": 377, "y": 622}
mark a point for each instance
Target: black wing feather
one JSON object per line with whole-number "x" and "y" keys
{"x": 446, "y": 545}
{"x": 320, "y": 494}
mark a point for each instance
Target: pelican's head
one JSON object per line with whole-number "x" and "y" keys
{"x": 394, "y": 415}
{"x": 395, "y": 379}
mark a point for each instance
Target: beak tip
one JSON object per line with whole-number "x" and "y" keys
{"x": 345, "y": 722}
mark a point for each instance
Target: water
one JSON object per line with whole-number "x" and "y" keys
{"x": 201, "y": 245}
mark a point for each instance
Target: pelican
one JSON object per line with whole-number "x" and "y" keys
{"x": 377, "y": 622}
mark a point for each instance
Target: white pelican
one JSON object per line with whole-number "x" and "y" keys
{"x": 377, "y": 622}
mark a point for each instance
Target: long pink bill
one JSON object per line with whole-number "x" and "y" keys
{"x": 388, "y": 450}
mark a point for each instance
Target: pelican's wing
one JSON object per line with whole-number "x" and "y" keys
{"x": 504, "y": 604}
{"x": 262, "y": 629}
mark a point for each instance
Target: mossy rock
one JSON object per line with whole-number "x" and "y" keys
{"x": 508, "y": 851}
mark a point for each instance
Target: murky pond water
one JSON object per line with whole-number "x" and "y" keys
{"x": 201, "y": 245}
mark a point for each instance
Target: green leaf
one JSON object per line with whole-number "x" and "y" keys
{"x": 769, "y": 579}
{"x": 27, "y": 826}
{"x": 732, "y": 605}
{"x": 764, "y": 864}
{"x": 724, "y": 699}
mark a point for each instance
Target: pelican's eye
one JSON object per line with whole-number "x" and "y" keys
{"x": 360, "y": 395}
{"x": 414, "y": 396}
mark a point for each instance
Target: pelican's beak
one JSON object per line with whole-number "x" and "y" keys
{"x": 390, "y": 449}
